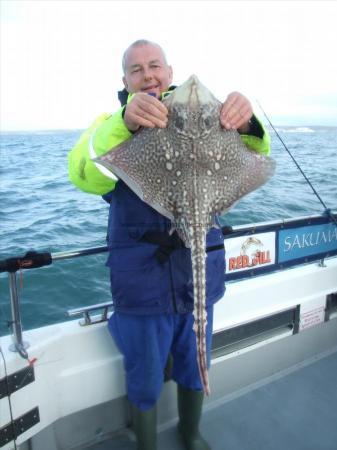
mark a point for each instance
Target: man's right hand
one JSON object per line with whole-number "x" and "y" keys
{"x": 145, "y": 111}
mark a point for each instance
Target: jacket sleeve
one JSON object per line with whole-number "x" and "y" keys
{"x": 258, "y": 138}
{"x": 106, "y": 132}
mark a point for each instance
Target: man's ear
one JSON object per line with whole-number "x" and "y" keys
{"x": 125, "y": 83}
{"x": 170, "y": 74}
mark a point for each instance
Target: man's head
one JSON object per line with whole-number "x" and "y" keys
{"x": 145, "y": 68}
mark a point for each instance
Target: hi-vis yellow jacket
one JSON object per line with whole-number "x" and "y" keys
{"x": 107, "y": 132}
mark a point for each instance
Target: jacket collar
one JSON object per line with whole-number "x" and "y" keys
{"x": 123, "y": 95}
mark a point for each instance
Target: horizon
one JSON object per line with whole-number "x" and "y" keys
{"x": 37, "y": 130}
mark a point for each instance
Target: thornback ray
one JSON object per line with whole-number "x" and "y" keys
{"x": 191, "y": 171}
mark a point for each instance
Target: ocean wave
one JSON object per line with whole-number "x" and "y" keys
{"x": 296, "y": 130}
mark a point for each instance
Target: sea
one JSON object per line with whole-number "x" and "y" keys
{"x": 42, "y": 211}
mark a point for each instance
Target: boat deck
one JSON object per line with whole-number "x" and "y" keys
{"x": 294, "y": 410}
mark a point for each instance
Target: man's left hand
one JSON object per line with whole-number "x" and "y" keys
{"x": 236, "y": 113}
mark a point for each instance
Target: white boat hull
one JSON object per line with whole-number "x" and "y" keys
{"x": 79, "y": 381}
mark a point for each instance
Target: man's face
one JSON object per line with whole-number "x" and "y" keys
{"x": 146, "y": 70}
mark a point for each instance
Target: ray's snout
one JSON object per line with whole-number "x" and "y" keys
{"x": 192, "y": 92}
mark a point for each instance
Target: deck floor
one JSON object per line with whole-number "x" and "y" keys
{"x": 296, "y": 411}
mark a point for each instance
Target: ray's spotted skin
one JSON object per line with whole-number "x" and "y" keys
{"x": 191, "y": 171}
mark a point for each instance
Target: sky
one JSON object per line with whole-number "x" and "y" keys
{"x": 60, "y": 61}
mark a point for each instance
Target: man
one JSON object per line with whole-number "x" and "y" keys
{"x": 151, "y": 279}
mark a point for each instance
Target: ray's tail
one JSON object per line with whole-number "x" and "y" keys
{"x": 198, "y": 253}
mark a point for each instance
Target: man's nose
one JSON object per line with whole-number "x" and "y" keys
{"x": 147, "y": 74}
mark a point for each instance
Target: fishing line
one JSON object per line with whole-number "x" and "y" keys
{"x": 327, "y": 210}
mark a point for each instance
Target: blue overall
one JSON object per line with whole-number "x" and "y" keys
{"x": 147, "y": 341}
{"x": 153, "y": 297}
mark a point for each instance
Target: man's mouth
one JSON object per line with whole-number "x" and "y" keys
{"x": 150, "y": 88}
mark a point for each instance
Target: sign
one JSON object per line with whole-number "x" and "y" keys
{"x": 250, "y": 252}
{"x": 312, "y": 313}
{"x": 307, "y": 241}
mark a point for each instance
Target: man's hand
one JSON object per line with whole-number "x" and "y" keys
{"x": 145, "y": 111}
{"x": 236, "y": 113}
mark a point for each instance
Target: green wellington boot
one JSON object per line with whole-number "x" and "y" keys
{"x": 189, "y": 409}
{"x": 144, "y": 424}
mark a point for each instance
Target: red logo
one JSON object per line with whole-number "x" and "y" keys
{"x": 251, "y": 255}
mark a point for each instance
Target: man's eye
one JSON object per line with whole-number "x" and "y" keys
{"x": 179, "y": 123}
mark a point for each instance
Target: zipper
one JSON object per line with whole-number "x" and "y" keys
{"x": 174, "y": 300}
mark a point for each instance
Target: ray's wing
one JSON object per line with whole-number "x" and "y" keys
{"x": 242, "y": 171}
{"x": 138, "y": 162}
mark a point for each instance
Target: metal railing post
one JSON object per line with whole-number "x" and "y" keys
{"x": 18, "y": 344}
{"x": 32, "y": 260}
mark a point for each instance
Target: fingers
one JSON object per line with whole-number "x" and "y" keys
{"x": 236, "y": 112}
{"x": 145, "y": 111}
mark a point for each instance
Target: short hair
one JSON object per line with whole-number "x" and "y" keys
{"x": 137, "y": 43}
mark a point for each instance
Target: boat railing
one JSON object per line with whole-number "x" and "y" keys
{"x": 33, "y": 260}
{"x": 89, "y": 313}
{"x": 279, "y": 245}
